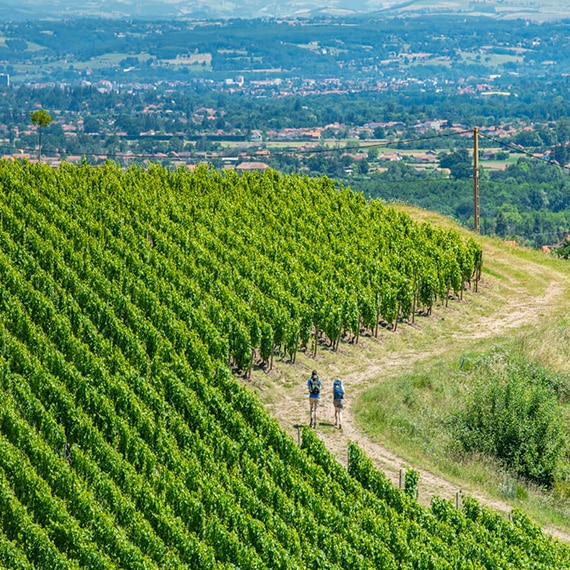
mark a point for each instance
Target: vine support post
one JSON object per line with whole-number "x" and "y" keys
{"x": 316, "y": 340}
{"x": 250, "y": 363}
{"x": 377, "y": 324}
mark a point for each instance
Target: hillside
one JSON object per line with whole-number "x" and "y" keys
{"x": 134, "y": 304}
{"x": 522, "y": 295}
{"x": 30, "y": 9}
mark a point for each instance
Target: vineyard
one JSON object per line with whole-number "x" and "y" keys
{"x": 133, "y": 305}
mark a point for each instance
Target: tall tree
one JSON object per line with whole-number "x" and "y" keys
{"x": 41, "y": 119}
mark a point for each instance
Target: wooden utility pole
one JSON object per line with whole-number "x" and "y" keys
{"x": 476, "y": 180}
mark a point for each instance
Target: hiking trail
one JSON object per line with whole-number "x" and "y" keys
{"x": 362, "y": 368}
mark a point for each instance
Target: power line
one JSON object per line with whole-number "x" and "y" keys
{"x": 302, "y": 151}
{"x": 373, "y": 145}
{"x": 516, "y": 148}
{"x": 320, "y": 150}
{"x": 99, "y": 154}
{"x": 323, "y": 150}
{"x": 550, "y": 233}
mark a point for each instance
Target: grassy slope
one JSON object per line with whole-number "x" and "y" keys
{"x": 403, "y": 386}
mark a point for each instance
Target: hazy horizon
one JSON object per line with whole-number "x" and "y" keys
{"x": 207, "y": 9}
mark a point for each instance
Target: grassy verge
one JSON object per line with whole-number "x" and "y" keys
{"x": 414, "y": 413}
{"x": 412, "y": 410}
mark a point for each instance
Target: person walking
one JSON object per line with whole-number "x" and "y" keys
{"x": 338, "y": 402}
{"x": 314, "y": 385}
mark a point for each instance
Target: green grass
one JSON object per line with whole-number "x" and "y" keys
{"x": 413, "y": 415}
{"x": 412, "y": 410}
{"x": 490, "y": 59}
{"x": 108, "y": 59}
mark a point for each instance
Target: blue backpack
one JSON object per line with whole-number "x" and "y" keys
{"x": 338, "y": 392}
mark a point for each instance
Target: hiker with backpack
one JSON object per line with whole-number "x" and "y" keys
{"x": 314, "y": 385}
{"x": 338, "y": 402}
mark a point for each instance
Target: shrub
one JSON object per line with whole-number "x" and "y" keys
{"x": 513, "y": 414}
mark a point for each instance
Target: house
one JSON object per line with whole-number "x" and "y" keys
{"x": 390, "y": 156}
{"x": 252, "y": 166}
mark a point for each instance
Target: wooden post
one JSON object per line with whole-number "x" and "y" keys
{"x": 316, "y": 341}
{"x": 476, "y": 179}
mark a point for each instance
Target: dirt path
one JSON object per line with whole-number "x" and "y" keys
{"x": 291, "y": 409}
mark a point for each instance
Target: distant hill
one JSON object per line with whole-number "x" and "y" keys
{"x": 206, "y": 9}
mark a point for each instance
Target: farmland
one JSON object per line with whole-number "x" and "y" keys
{"x": 134, "y": 304}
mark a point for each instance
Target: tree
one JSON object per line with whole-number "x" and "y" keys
{"x": 458, "y": 162}
{"x": 175, "y": 144}
{"x": 90, "y": 125}
{"x": 564, "y": 250}
{"x": 373, "y": 153}
{"x": 41, "y": 119}
{"x": 379, "y": 133}
{"x": 362, "y": 166}
{"x": 560, "y": 154}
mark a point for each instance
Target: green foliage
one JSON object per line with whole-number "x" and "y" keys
{"x": 514, "y": 415}
{"x": 411, "y": 483}
{"x": 125, "y": 441}
{"x": 529, "y": 199}
{"x": 564, "y": 251}
{"x": 41, "y": 118}
{"x": 459, "y": 163}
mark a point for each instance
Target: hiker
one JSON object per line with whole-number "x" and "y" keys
{"x": 338, "y": 402}
{"x": 314, "y": 385}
